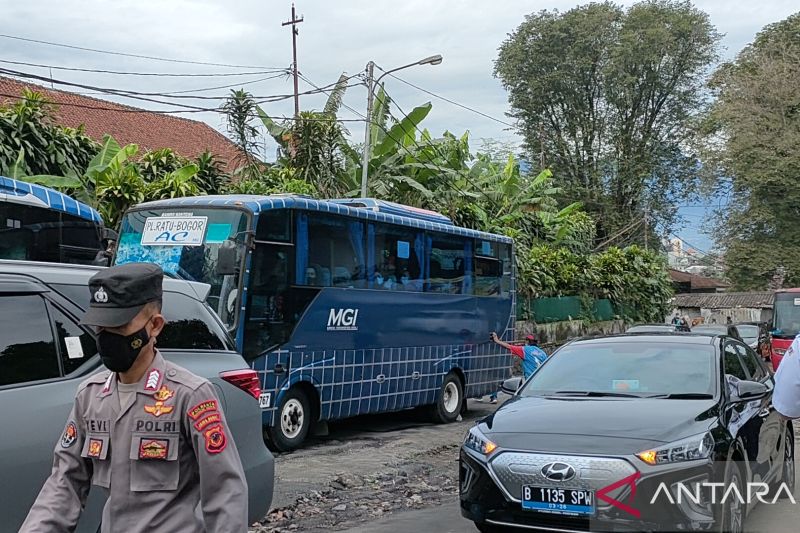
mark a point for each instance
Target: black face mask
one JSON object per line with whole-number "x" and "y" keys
{"x": 118, "y": 352}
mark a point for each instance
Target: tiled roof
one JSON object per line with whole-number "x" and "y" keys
{"x": 725, "y": 300}
{"x": 697, "y": 282}
{"x": 151, "y": 131}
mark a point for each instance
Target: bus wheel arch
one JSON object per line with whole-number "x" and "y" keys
{"x": 449, "y": 398}
{"x": 297, "y": 411}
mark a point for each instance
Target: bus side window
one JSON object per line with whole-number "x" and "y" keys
{"x": 331, "y": 251}
{"x": 450, "y": 264}
{"x": 394, "y": 259}
{"x": 269, "y": 317}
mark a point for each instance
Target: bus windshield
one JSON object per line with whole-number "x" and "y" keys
{"x": 787, "y": 314}
{"x": 187, "y": 246}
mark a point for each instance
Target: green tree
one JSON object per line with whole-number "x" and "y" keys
{"x": 606, "y": 96}
{"x": 32, "y": 143}
{"x": 211, "y": 178}
{"x": 753, "y": 138}
{"x": 240, "y": 109}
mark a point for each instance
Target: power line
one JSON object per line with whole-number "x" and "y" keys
{"x": 153, "y": 74}
{"x": 125, "y": 54}
{"x": 453, "y": 102}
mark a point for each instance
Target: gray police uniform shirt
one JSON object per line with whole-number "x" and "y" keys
{"x": 169, "y": 450}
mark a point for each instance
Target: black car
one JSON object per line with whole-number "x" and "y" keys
{"x": 610, "y": 432}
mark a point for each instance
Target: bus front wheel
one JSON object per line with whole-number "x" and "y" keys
{"x": 293, "y": 423}
{"x": 449, "y": 400}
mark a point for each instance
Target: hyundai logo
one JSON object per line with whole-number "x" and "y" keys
{"x": 558, "y": 471}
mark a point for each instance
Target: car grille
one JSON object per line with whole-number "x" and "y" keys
{"x": 515, "y": 469}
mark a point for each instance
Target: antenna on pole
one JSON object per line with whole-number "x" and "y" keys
{"x": 293, "y": 23}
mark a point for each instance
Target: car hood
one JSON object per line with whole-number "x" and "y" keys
{"x": 596, "y": 425}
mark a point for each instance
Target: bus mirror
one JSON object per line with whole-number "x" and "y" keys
{"x": 110, "y": 234}
{"x": 226, "y": 259}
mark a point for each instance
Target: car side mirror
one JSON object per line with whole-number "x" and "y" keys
{"x": 750, "y": 390}
{"x": 511, "y": 386}
{"x": 226, "y": 259}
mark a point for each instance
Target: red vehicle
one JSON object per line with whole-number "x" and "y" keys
{"x": 786, "y": 322}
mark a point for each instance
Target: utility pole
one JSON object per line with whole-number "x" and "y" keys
{"x": 367, "y": 128}
{"x": 293, "y": 23}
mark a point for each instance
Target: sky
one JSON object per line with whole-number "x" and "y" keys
{"x": 335, "y": 37}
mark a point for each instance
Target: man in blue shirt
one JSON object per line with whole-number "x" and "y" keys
{"x": 532, "y": 356}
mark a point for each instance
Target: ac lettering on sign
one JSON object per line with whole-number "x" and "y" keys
{"x": 343, "y": 320}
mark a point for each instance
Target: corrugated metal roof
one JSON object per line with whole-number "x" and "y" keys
{"x": 725, "y": 300}
{"x": 695, "y": 281}
{"x": 37, "y": 195}
{"x": 256, "y": 204}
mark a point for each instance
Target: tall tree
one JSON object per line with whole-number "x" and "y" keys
{"x": 606, "y": 96}
{"x": 240, "y": 109}
{"x": 753, "y": 138}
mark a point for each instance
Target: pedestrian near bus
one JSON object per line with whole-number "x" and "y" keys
{"x": 531, "y": 355}
{"x": 149, "y": 433}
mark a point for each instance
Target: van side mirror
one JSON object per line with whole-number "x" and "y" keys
{"x": 511, "y": 385}
{"x": 227, "y": 262}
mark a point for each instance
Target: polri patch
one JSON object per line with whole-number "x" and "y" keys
{"x": 202, "y": 407}
{"x": 70, "y": 435}
{"x": 95, "y": 448}
{"x": 203, "y": 423}
{"x": 215, "y": 439}
{"x": 153, "y": 448}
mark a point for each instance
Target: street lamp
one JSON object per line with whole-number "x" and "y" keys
{"x": 431, "y": 60}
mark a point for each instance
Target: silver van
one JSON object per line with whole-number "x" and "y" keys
{"x": 45, "y": 354}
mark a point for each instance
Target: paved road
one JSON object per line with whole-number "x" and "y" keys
{"x": 782, "y": 517}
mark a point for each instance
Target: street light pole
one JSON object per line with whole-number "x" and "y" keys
{"x": 371, "y": 84}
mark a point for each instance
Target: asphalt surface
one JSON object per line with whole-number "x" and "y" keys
{"x": 782, "y": 517}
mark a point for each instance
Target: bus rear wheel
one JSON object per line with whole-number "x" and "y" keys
{"x": 449, "y": 400}
{"x": 294, "y": 421}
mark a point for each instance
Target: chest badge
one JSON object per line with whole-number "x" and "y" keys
{"x": 95, "y": 448}
{"x": 153, "y": 449}
{"x": 163, "y": 394}
{"x": 158, "y": 409}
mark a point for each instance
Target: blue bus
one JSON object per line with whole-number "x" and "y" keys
{"x": 40, "y": 224}
{"x": 344, "y": 307}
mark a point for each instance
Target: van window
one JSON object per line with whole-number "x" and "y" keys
{"x": 27, "y": 348}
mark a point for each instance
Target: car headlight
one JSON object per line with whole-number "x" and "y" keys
{"x": 477, "y": 441}
{"x": 689, "y": 449}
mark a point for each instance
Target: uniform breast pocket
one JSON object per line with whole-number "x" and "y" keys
{"x": 154, "y": 461}
{"x": 96, "y": 448}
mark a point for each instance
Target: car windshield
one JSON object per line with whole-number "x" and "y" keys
{"x": 148, "y": 236}
{"x": 627, "y": 367}
{"x": 748, "y": 332}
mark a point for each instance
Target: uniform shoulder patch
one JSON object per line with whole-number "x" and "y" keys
{"x": 216, "y": 441}
{"x": 201, "y": 408}
{"x": 70, "y": 435}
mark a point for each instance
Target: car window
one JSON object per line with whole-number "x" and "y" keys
{"x": 190, "y": 323}
{"x": 27, "y": 348}
{"x": 753, "y": 367}
{"x": 75, "y": 344}
{"x": 733, "y": 363}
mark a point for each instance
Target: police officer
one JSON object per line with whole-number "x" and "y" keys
{"x": 149, "y": 432}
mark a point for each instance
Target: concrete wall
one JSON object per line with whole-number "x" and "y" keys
{"x": 557, "y": 333}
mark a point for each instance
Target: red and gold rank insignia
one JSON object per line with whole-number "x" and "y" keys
{"x": 215, "y": 439}
{"x": 153, "y": 448}
{"x": 95, "y": 448}
{"x": 202, "y": 407}
{"x": 163, "y": 394}
{"x": 158, "y": 409}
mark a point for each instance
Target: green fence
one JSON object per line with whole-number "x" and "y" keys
{"x": 559, "y": 309}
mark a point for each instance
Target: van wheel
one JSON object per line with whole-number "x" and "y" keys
{"x": 787, "y": 470}
{"x": 294, "y": 421}
{"x": 449, "y": 400}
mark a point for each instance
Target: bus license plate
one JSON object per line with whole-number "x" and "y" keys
{"x": 559, "y": 501}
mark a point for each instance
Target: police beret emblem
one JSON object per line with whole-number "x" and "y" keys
{"x": 101, "y": 296}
